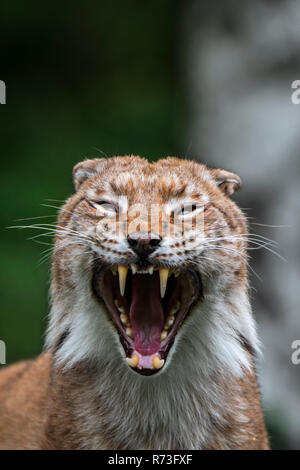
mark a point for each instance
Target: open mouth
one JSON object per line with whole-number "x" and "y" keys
{"x": 147, "y": 307}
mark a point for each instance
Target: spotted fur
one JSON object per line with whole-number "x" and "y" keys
{"x": 206, "y": 395}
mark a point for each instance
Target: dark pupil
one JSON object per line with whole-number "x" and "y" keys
{"x": 187, "y": 209}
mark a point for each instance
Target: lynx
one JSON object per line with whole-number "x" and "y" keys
{"x": 151, "y": 341}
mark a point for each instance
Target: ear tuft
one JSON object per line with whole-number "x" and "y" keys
{"x": 228, "y": 182}
{"x": 87, "y": 169}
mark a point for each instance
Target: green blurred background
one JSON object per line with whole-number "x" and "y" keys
{"x": 150, "y": 78}
{"x": 82, "y": 81}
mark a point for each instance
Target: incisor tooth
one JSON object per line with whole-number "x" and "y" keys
{"x": 133, "y": 269}
{"x": 170, "y": 321}
{"x": 129, "y": 332}
{"x": 119, "y": 307}
{"x": 133, "y": 360}
{"x": 122, "y": 270}
{"x": 124, "y": 319}
{"x": 163, "y": 275}
{"x": 175, "y": 308}
{"x": 150, "y": 269}
{"x": 163, "y": 335}
{"x": 157, "y": 362}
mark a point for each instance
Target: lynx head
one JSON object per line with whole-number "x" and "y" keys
{"x": 141, "y": 249}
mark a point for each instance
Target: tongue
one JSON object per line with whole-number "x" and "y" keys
{"x": 146, "y": 313}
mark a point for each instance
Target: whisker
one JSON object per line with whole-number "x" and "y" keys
{"x": 51, "y": 229}
{"x": 271, "y": 226}
{"x": 38, "y": 217}
{"x": 54, "y": 200}
{"x": 57, "y": 207}
{"x": 259, "y": 244}
{"x": 241, "y": 255}
{"x": 101, "y": 151}
{"x": 40, "y": 243}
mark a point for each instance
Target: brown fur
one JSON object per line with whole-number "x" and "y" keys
{"x": 23, "y": 403}
{"x": 43, "y": 406}
{"x": 39, "y": 409}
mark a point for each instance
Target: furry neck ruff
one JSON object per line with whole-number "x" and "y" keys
{"x": 200, "y": 392}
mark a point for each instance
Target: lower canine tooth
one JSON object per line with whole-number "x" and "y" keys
{"x": 129, "y": 332}
{"x": 157, "y": 362}
{"x": 163, "y": 276}
{"x": 133, "y": 360}
{"x": 122, "y": 270}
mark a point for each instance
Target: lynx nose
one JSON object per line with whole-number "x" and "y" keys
{"x": 143, "y": 243}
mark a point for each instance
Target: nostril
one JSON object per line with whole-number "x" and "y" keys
{"x": 132, "y": 241}
{"x": 143, "y": 242}
{"x": 155, "y": 241}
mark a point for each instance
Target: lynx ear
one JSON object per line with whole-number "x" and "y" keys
{"x": 228, "y": 182}
{"x": 87, "y": 169}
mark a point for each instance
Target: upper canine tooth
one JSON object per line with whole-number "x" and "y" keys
{"x": 176, "y": 273}
{"x": 163, "y": 275}
{"x": 133, "y": 360}
{"x": 157, "y": 362}
{"x": 122, "y": 270}
{"x": 150, "y": 269}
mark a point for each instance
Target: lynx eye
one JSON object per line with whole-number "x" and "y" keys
{"x": 105, "y": 206}
{"x": 186, "y": 209}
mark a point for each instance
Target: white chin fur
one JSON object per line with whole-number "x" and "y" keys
{"x": 206, "y": 345}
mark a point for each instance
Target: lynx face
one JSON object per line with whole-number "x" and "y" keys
{"x": 155, "y": 238}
